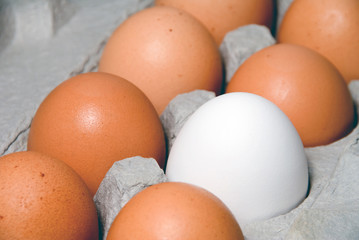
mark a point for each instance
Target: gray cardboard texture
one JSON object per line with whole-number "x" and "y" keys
{"x": 43, "y": 43}
{"x": 241, "y": 43}
{"x": 36, "y": 57}
{"x": 124, "y": 179}
{"x": 178, "y": 111}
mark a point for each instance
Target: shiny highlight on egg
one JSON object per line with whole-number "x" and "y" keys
{"x": 94, "y": 119}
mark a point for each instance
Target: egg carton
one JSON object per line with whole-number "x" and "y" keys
{"x": 35, "y": 58}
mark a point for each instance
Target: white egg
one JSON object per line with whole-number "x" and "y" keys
{"x": 244, "y": 149}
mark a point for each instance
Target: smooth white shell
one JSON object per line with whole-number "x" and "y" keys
{"x": 245, "y": 150}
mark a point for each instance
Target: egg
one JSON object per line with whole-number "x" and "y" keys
{"x": 242, "y": 148}
{"x": 330, "y": 27}
{"x": 43, "y": 198}
{"x": 305, "y": 85}
{"x": 163, "y": 51}
{"x": 174, "y": 210}
{"x": 223, "y": 16}
{"x": 94, "y": 119}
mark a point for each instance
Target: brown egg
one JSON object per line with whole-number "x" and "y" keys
{"x": 174, "y": 210}
{"x": 164, "y": 51}
{"x": 304, "y": 85}
{"x": 330, "y": 27}
{"x": 42, "y": 198}
{"x": 222, "y": 16}
{"x": 94, "y": 119}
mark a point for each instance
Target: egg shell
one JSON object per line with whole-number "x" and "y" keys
{"x": 94, "y": 119}
{"x": 223, "y": 16}
{"x": 304, "y": 85}
{"x": 164, "y": 51}
{"x": 330, "y": 27}
{"x": 174, "y": 211}
{"x": 244, "y": 149}
{"x": 43, "y": 198}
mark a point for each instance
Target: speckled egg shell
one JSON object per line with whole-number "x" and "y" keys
{"x": 43, "y": 198}
{"x": 222, "y": 16}
{"x": 94, "y": 119}
{"x": 163, "y": 51}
